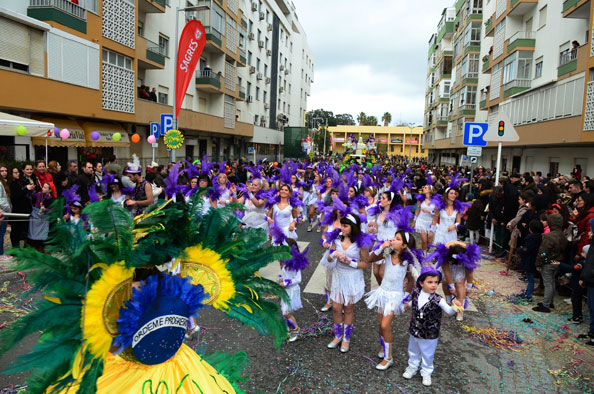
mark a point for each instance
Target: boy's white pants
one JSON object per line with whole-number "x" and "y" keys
{"x": 421, "y": 352}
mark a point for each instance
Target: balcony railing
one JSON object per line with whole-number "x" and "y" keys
{"x": 209, "y": 77}
{"x": 566, "y": 57}
{"x": 155, "y": 53}
{"x": 516, "y": 86}
{"x": 65, "y": 6}
{"x": 213, "y": 35}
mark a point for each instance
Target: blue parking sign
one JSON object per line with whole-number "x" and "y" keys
{"x": 166, "y": 123}
{"x": 474, "y": 133}
{"x": 154, "y": 129}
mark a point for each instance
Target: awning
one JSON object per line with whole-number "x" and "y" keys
{"x": 106, "y": 131}
{"x": 76, "y": 139}
{"x": 9, "y": 123}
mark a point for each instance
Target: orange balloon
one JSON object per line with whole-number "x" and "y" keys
{"x": 135, "y": 138}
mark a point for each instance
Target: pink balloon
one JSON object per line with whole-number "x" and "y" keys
{"x": 151, "y": 139}
{"x": 64, "y": 134}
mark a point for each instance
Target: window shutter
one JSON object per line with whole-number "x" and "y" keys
{"x": 14, "y": 41}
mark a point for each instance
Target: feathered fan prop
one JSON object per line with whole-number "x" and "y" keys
{"x": 298, "y": 260}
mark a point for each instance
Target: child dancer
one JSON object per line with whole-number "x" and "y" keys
{"x": 425, "y": 324}
{"x": 290, "y": 278}
{"x": 387, "y": 298}
{"x": 350, "y": 253}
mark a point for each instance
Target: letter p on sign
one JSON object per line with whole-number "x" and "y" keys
{"x": 474, "y": 133}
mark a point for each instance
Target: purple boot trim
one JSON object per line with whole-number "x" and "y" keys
{"x": 348, "y": 331}
{"x": 465, "y": 303}
{"x": 338, "y": 330}
{"x": 327, "y": 295}
{"x": 382, "y": 343}
{"x": 290, "y": 324}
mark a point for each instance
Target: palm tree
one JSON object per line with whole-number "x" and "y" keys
{"x": 386, "y": 118}
{"x": 362, "y": 119}
{"x": 371, "y": 121}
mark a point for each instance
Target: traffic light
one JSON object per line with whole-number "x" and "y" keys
{"x": 500, "y": 129}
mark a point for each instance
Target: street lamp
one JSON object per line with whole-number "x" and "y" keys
{"x": 175, "y": 103}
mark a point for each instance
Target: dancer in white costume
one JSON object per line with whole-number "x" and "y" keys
{"x": 255, "y": 205}
{"x": 424, "y": 216}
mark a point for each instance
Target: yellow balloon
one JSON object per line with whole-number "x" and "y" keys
{"x": 21, "y": 130}
{"x": 116, "y": 136}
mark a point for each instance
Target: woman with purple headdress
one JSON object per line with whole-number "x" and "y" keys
{"x": 282, "y": 215}
{"x": 350, "y": 254}
{"x": 383, "y": 223}
{"x": 312, "y": 199}
{"x": 221, "y": 194}
{"x": 457, "y": 261}
{"x": 397, "y": 258}
{"x": 448, "y": 213}
{"x": 424, "y": 216}
{"x": 255, "y": 205}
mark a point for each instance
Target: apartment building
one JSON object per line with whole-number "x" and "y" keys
{"x": 536, "y": 66}
{"x": 279, "y": 73}
{"x": 391, "y": 140}
{"x": 81, "y": 66}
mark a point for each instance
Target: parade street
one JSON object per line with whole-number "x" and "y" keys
{"x": 501, "y": 347}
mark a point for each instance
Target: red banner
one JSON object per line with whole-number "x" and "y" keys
{"x": 191, "y": 44}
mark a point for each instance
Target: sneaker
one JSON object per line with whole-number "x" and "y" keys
{"x": 541, "y": 308}
{"x": 293, "y": 336}
{"x": 309, "y": 228}
{"x": 427, "y": 380}
{"x": 586, "y": 336}
{"x": 318, "y": 229}
{"x": 576, "y": 320}
{"x": 409, "y": 373}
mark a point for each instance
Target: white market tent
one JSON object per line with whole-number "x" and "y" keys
{"x": 9, "y": 124}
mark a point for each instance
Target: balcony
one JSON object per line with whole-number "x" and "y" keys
{"x": 470, "y": 78}
{"x": 567, "y": 62}
{"x": 522, "y": 39}
{"x": 63, "y": 12}
{"x": 442, "y": 120}
{"x": 578, "y": 9}
{"x": 516, "y": 86}
{"x": 468, "y": 109}
{"x": 446, "y": 30}
{"x": 152, "y": 6}
{"x": 214, "y": 39}
{"x": 154, "y": 56}
{"x": 521, "y": 7}
{"x": 483, "y": 102}
{"x": 486, "y": 64}
{"x": 208, "y": 81}
{"x": 475, "y": 46}
{"x": 490, "y": 26}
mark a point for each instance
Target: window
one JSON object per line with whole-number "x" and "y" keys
{"x": 265, "y": 96}
{"x": 258, "y": 64}
{"x": 529, "y": 25}
{"x": 259, "y": 35}
{"x": 257, "y": 93}
{"x": 542, "y": 17}
{"x": 289, "y": 88}
{"x": 267, "y": 16}
{"x": 249, "y": 89}
{"x": 251, "y": 27}
{"x": 517, "y": 66}
{"x": 288, "y": 108}
{"x": 266, "y": 43}
{"x": 163, "y": 98}
{"x": 140, "y": 29}
{"x": 116, "y": 59}
{"x": 472, "y": 34}
{"x": 163, "y": 45}
{"x": 249, "y": 59}
{"x": 538, "y": 68}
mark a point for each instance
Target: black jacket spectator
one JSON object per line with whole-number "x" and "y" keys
{"x": 511, "y": 205}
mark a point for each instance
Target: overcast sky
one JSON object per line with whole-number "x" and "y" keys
{"x": 370, "y": 56}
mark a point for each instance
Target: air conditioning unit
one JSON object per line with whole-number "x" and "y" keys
{"x": 268, "y": 52}
{"x": 261, "y": 44}
{"x": 262, "y": 15}
{"x": 281, "y": 67}
{"x": 254, "y": 7}
{"x": 281, "y": 89}
{"x": 267, "y": 80}
{"x": 252, "y": 69}
{"x": 270, "y": 27}
{"x": 287, "y": 71}
{"x": 266, "y": 106}
{"x": 250, "y": 99}
{"x": 263, "y": 122}
{"x": 251, "y": 36}
{"x": 259, "y": 76}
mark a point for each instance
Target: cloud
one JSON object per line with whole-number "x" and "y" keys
{"x": 370, "y": 56}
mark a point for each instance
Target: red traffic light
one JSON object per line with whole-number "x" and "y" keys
{"x": 501, "y": 123}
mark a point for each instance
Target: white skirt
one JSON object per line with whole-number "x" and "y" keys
{"x": 443, "y": 236}
{"x": 256, "y": 220}
{"x": 325, "y": 263}
{"x": 423, "y": 226}
{"x": 348, "y": 287}
{"x": 387, "y": 302}
{"x": 458, "y": 273}
{"x": 294, "y": 293}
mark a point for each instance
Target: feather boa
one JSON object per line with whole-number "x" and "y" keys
{"x": 440, "y": 254}
{"x": 359, "y": 202}
{"x": 471, "y": 258}
{"x": 298, "y": 261}
{"x": 330, "y": 237}
{"x": 413, "y": 256}
{"x": 459, "y": 206}
{"x": 365, "y": 241}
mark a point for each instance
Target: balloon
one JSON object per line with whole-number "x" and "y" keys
{"x": 116, "y": 136}
{"x": 151, "y": 139}
{"x": 95, "y": 135}
{"x": 64, "y": 134}
{"x": 21, "y": 130}
{"x": 56, "y": 131}
{"x": 135, "y": 138}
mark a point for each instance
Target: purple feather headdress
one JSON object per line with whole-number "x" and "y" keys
{"x": 365, "y": 241}
{"x": 413, "y": 256}
{"x": 440, "y": 254}
{"x": 330, "y": 237}
{"x": 343, "y": 192}
{"x": 92, "y": 192}
{"x": 298, "y": 261}
{"x": 359, "y": 202}
{"x": 172, "y": 188}
{"x": 278, "y": 235}
{"x": 191, "y": 170}
{"x": 470, "y": 258}
{"x": 456, "y": 180}
{"x": 403, "y": 221}
{"x": 254, "y": 171}
{"x": 70, "y": 195}
{"x": 429, "y": 179}
{"x": 420, "y": 197}
{"x": 375, "y": 210}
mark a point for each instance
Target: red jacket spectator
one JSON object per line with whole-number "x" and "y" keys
{"x": 46, "y": 178}
{"x": 584, "y": 230}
